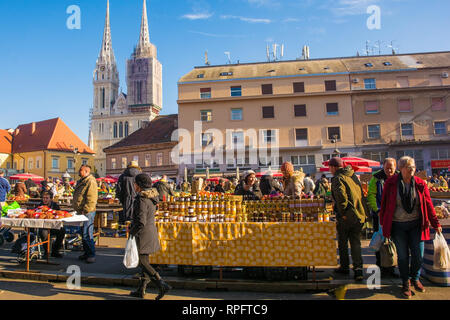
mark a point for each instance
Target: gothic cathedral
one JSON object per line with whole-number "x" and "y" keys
{"x": 116, "y": 115}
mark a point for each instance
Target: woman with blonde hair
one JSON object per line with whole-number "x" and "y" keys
{"x": 406, "y": 214}
{"x": 292, "y": 180}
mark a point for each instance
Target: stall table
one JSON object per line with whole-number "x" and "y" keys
{"x": 28, "y": 224}
{"x": 231, "y": 244}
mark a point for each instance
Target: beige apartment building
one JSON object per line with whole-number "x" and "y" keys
{"x": 310, "y": 108}
{"x": 150, "y": 147}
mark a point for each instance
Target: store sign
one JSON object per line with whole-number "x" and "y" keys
{"x": 440, "y": 164}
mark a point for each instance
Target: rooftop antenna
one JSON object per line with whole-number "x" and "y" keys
{"x": 357, "y": 53}
{"x": 367, "y": 47}
{"x": 282, "y": 51}
{"x": 305, "y": 53}
{"x": 394, "y": 50}
{"x": 275, "y": 46}
{"x": 207, "y": 63}
{"x": 228, "y": 54}
{"x": 268, "y": 52}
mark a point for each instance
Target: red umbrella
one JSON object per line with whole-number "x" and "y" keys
{"x": 354, "y": 161}
{"x": 108, "y": 179}
{"x": 215, "y": 179}
{"x": 26, "y": 176}
{"x": 355, "y": 168}
{"x": 273, "y": 173}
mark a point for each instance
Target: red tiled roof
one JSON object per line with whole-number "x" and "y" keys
{"x": 5, "y": 141}
{"x": 51, "y": 134}
{"x": 159, "y": 130}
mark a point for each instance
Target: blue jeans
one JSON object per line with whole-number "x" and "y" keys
{"x": 88, "y": 236}
{"x": 407, "y": 238}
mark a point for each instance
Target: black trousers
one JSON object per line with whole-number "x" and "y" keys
{"x": 147, "y": 270}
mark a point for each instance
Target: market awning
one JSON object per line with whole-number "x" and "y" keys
{"x": 26, "y": 176}
{"x": 355, "y": 168}
{"x": 355, "y": 161}
{"x": 272, "y": 173}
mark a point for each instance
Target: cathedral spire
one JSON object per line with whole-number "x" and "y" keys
{"x": 106, "y": 52}
{"x": 144, "y": 47}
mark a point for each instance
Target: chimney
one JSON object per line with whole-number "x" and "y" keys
{"x": 17, "y": 132}
{"x": 33, "y": 128}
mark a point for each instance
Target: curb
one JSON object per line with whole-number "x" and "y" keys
{"x": 186, "y": 284}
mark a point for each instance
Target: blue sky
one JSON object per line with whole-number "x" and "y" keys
{"x": 46, "y": 69}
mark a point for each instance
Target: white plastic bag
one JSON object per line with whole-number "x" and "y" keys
{"x": 377, "y": 240}
{"x": 441, "y": 253}
{"x": 131, "y": 258}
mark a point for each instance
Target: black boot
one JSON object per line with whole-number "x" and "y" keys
{"x": 140, "y": 292}
{"x": 162, "y": 286}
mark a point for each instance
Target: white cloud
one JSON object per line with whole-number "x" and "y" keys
{"x": 215, "y": 35}
{"x": 197, "y": 16}
{"x": 264, "y": 3}
{"x": 288, "y": 20}
{"x": 349, "y": 7}
{"x": 246, "y": 19}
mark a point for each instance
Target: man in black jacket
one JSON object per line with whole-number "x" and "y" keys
{"x": 163, "y": 188}
{"x": 125, "y": 191}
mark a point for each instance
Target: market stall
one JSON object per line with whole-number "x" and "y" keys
{"x": 40, "y": 219}
{"x": 224, "y": 230}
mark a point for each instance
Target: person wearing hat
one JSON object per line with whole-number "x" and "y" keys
{"x": 351, "y": 212}
{"x": 249, "y": 187}
{"x": 143, "y": 228}
{"x": 292, "y": 180}
{"x": 125, "y": 190}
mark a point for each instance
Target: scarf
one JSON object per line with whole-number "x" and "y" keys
{"x": 408, "y": 198}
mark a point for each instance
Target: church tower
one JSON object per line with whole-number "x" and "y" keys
{"x": 106, "y": 87}
{"x": 144, "y": 75}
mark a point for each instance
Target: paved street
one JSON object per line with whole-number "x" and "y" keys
{"x": 34, "y": 290}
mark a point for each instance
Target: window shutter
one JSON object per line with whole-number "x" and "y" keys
{"x": 268, "y": 112}
{"x": 266, "y": 89}
{"x": 299, "y": 87}
{"x": 330, "y": 85}
{"x": 404, "y": 105}
{"x": 300, "y": 110}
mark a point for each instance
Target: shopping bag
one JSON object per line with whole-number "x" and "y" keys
{"x": 441, "y": 253}
{"x": 388, "y": 254}
{"x": 131, "y": 258}
{"x": 377, "y": 240}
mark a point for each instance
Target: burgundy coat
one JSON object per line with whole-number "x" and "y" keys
{"x": 389, "y": 203}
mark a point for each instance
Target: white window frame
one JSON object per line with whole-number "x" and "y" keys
{"x": 159, "y": 159}
{"x": 208, "y": 115}
{"x": 113, "y": 163}
{"x": 445, "y": 128}
{"x": 407, "y": 135}
{"x": 379, "y": 131}
{"x": 369, "y": 84}
{"x": 240, "y": 113}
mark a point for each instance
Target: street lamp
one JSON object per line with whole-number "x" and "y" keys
{"x": 336, "y": 150}
{"x": 75, "y": 151}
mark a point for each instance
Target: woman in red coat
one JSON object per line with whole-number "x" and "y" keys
{"x": 406, "y": 215}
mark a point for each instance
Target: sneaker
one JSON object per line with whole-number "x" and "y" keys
{"x": 406, "y": 290}
{"x": 359, "y": 275}
{"x": 82, "y": 257}
{"x": 419, "y": 286}
{"x": 90, "y": 260}
{"x": 342, "y": 271}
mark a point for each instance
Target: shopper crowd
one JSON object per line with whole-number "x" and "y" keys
{"x": 398, "y": 202}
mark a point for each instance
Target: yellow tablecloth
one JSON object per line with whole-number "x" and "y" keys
{"x": 247, "y": 244}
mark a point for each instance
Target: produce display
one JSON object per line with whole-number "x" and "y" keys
{"x": 18, "y": 199}
{"x": 442, "y": 211}
{"x": 440, "y": 189}
{"x": 216, "y": 207}
{"x": 42, "y": 212}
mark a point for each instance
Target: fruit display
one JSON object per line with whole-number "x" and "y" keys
{"x": 439, "y": 189}
{"x": 42, "y": 212}
{"x": 19, "y": 199}
{"x": 442, "y": 211}
{"x": 440, "y": 192}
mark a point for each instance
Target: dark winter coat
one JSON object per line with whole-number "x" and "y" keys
{"x": 163, "y": 189}
{"x": 143, "y": 222}
{"x": 125, "y": 191}
{"x": 348, "y": 195}
{"x": 268, "y": 185}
